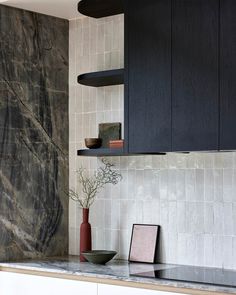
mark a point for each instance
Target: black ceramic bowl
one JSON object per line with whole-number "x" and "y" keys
{"x": 99, "y": 256}
{"x": 93, "y": 143}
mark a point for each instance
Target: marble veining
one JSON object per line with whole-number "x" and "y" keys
{"x": 33, "y": 134}
{"x": 115, "y": 270}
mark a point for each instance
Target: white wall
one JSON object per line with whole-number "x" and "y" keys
{"x": 193, "y": 197}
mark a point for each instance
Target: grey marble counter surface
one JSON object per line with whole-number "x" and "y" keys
{"x": 115, "y": 270}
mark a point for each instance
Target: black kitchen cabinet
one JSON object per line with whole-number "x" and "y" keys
{"x": 173, "y": 75}
{"x": 180, "y": 67}
{"x": 195, "y": 75}
{"x": 227, "y": 75}
{"x": 148, "y": 76}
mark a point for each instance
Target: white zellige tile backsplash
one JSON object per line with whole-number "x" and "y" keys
{"x": 192, "y": 197}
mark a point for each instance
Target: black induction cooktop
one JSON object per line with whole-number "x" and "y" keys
{"x": 204, "y": 275}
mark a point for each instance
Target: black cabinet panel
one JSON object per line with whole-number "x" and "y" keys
{"x": 228, "y": 75}
{"x": 148, "y": 31}
{"x": 195, "y": 78}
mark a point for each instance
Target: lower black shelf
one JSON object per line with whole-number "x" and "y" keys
{"x": 106, "y": 152}
{"x": 101, "y": 152}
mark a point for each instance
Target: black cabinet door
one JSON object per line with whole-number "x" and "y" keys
{"x": 195, "y": 75}
{"x": 148, "y": 41}
{"x": 228, "y": 75}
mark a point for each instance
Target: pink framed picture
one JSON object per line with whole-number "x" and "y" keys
{"x": 143, "y": 245}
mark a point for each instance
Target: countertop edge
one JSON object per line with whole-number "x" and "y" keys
{"x": 117, "y": 281}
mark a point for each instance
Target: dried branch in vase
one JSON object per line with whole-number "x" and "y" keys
{"x": 92, "y": 185}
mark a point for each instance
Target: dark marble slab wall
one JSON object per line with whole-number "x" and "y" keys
{"x": 33, "y": 135}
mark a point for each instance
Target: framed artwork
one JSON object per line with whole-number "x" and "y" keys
{"x": 143, "y": 244}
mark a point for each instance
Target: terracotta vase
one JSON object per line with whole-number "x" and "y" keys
{"x": 85, "y": 235}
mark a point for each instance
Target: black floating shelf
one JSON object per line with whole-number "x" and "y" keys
{"x": 101, "y": 152}
{"x": 106, "y": 152}
{"x": 101, "y": 8}
{"x": 104, "y": 78}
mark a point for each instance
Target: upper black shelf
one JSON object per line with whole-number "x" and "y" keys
{"x": 104, "y": 78}
{"x": 101, "y": 8}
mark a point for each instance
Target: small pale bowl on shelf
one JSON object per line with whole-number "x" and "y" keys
{"x": 93, "y": 143}
{"x": 99, "y": 256}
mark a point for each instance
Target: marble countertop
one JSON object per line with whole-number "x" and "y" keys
{"x": 115, "y": 270}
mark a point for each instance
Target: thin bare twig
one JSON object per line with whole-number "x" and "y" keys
{"x": 93, "y": 184}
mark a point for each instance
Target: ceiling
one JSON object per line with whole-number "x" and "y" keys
{"x": 61, "y": 8}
